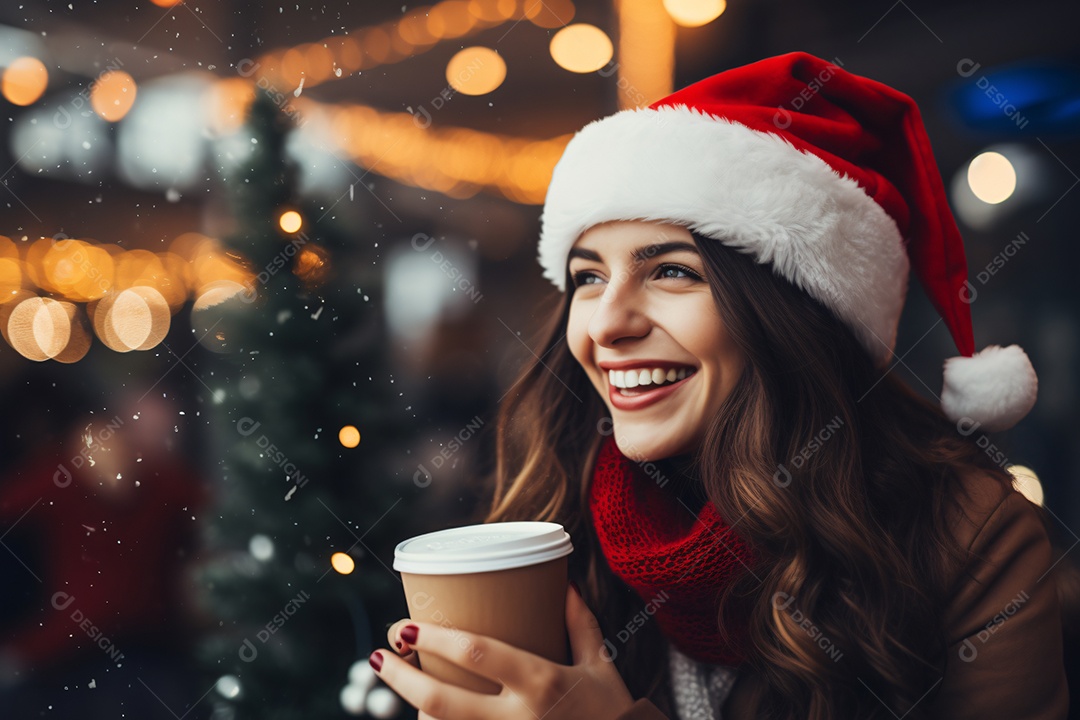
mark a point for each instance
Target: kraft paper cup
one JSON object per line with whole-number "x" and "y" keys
{"x": 505, "y": 580}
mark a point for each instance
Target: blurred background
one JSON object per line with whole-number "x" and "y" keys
{"x": 267, "y": 270}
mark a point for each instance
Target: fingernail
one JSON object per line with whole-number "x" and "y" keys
{"x": 576, "y": 588}
{"x": 376, "y": 660}
{"x": 408, "y": 633}
{"x": 397, "y": 644}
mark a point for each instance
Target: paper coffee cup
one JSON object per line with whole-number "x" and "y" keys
{"x": 505, "y": 580}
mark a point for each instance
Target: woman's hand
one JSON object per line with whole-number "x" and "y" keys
{"x": 533, "y": 687}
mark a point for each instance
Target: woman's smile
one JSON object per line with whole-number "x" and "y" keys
{"x": 644, "y": 383}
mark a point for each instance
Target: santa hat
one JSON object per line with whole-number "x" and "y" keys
{"x": 827, "y": 176}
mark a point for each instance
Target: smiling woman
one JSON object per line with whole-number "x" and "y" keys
{"x": 834, "y": 545}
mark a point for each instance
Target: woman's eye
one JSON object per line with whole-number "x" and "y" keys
{"x": 581, "y": 276}
{"x": 686, "y": 272}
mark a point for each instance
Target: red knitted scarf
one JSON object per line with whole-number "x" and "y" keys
{"x": 675, "y": 562}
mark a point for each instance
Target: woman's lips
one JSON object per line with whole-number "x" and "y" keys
{"x": 646, "y": 398}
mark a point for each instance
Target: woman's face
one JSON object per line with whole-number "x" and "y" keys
{"x": 642, "y": 308}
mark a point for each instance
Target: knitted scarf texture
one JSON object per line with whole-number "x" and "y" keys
{"x": 676, "y": 562}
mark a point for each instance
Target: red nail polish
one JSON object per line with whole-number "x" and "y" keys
{"x": 408, "y": 633}
{"x": 376, "y": 660}
{"x": 397, "y": 644}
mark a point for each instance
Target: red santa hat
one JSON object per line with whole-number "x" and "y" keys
{"x": 826, "y": 175}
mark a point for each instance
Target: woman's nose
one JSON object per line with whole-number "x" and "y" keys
{"x": 619, "y": 314}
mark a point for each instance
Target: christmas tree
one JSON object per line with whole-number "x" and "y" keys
{"x": 303, "y": 421}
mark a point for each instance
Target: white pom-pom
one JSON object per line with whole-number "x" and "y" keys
{"x": 995, "y": 387}
{"x": 382, "y": 703}
{"x": 353, "y": 699}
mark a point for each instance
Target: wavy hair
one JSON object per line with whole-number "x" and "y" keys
{"x": 842, "y": 479}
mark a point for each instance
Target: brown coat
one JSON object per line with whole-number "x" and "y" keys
{"x": 1005, "y": 656}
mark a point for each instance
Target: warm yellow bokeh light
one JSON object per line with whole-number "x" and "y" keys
{"x": 581, "y": 48}
{"x": 39, "y": 328}
{"x": 290, "y": 221}
{"x": 1027, "y": 483}
{"x": 349, "y": 436}
{"x": 137, "y": 318}
{"x": 992, "y": 177}
{"x": 450, "y": 19}
{"x": 694, "y": 13}
{"x": 413, "y": 28}
{"x": 166, "y": 3}
{"x": 550, "y": 14}
{"x": 475, "y": 70}
{"x": 78, "y": 270}
{"x": 342, "y": 563}
{"x": 24, "y": 80}
{"x": 10, "y": 278}
{"x": 112, "y": 95}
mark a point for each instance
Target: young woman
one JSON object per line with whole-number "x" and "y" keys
{"x": 766, "y": 520}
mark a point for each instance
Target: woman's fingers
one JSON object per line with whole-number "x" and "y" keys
{"x": 434, "y": 698}
{"x": 586, "y": 637}
{"x": 393, "y": 636}
{"x": 479, "y": 654}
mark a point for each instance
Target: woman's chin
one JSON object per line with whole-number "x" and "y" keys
{"x": 645, "y": 449}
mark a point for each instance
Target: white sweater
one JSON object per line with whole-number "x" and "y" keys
{"x": 699, "y": 688}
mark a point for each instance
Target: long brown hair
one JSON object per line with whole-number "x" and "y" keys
{"x": 841, "y": 478}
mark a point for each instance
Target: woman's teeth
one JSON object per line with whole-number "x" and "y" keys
{"x": 628, "y": 379}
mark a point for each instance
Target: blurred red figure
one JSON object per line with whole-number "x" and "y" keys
{"x": 113, "y": 510}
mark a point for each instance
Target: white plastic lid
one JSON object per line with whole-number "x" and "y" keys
{"x": 482, "y": 548}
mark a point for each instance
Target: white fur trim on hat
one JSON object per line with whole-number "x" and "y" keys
{"x": 995, "y": 387}
{"x": 751, "y": 190}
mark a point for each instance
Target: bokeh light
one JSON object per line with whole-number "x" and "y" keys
{"x": 24, "y": 81}
{"x": 112, "y": 95}
{"x": 550, "y": 14}
{"x": 694, "y": 13}
{"x": 475, "y": 70}
{"x": 349, "y": 436}
{"x": 11, "y": 273}
{"x": 312, "y": 265}
{"x": 39, "y": 328}
{"x": 290, "y": 221}
{"x": 581, "y": 48}
{"x": 137, "y": 318}
{"x": 992, "y": 177}
{"x": 78, "y": 270}
{"x": 214, "y": 315}
{"x": 342, "y": 563}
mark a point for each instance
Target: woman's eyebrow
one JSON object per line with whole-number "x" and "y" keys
{"x": 640, "y": 254}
